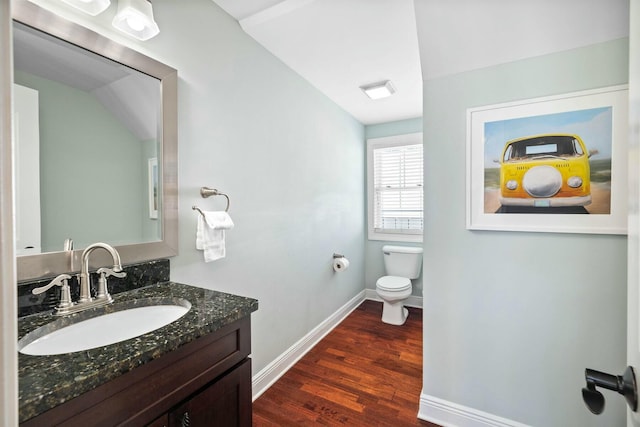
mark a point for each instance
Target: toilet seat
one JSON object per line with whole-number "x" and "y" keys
{"x": 393, "y": 283}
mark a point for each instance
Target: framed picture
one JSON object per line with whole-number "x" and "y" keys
{"x": 153, "y": 188}
{"x": 553, "y": 164}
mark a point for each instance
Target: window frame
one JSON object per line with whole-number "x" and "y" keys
{"x": 383, "y": 142}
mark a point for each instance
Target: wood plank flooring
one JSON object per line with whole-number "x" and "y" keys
{"x": 363, "y": 373}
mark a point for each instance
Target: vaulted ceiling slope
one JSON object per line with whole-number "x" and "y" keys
{"x": 340, "y": 45}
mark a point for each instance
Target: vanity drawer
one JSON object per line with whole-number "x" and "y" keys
{"x": 140, "y": 396}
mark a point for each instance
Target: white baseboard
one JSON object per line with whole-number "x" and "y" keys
{"x": 449, "y": 414}
{"x": 274, "y": 370}
{"x": 412, "y": 301}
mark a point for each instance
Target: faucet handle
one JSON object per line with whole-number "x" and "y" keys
{"x": 111, "y": 272}
{"x": 105, "y": 272}
{"x": 60, "y": 280}
{"x": 65, "y": 293}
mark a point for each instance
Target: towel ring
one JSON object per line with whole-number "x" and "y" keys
{"x": 208, "y": 192}
{"x": 195, "y": 208}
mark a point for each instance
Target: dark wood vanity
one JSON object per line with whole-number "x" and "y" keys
{"x": 204, "y": 381}
{"x": 207, "y": 381}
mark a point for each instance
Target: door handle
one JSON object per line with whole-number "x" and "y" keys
{"x": 624, "y": 384}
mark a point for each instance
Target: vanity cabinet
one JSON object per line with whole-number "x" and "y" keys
{"x": 207, "y": 381}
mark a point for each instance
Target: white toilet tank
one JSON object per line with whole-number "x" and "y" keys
{"x": 403, "y": 261}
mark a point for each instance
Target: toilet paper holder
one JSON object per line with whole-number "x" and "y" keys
{"x": 340, "y": 263}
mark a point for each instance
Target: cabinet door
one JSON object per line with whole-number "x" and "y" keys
{"x": 226, "y": 402}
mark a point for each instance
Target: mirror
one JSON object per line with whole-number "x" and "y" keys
{"x": 95, "y": 130}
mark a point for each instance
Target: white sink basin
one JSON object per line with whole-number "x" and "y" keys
{"x": 59, "y": 337}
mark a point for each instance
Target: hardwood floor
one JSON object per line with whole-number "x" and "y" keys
{"x": 363, "y": 373}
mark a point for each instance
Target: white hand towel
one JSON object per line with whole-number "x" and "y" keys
{"x": 210, "y": 234}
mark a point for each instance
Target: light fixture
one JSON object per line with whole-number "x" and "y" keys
{"x": 379, "y": 90}
{"x": 92, "y": 7}
{"x": 135, "y": 17}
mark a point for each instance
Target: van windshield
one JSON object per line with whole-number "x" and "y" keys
{"x": 554, "y": 145}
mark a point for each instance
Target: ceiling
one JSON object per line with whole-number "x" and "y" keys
{"x": 340, "y": 45}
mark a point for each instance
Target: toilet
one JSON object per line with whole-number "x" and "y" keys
{"x": 401, "y": 263}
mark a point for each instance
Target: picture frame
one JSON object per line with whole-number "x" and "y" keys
{"x": 598, "y": 117}
{"x": 153, "y": 187}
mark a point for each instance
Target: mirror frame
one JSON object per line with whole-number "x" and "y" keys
{"x": 49, "y": 264}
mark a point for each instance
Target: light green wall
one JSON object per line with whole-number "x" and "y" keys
{"x": 373, "y": 248}
{"x": 290, "y": 161}
{"x": 512, "y": 319}
{"x": 80, "y": 141}
{"x": 399, "y": 127}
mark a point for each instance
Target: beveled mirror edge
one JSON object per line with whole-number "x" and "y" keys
{"x": 52, "y": 263}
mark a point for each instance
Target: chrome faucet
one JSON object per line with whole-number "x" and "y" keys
{"x": 66, "y": 306}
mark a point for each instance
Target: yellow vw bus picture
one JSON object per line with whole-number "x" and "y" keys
{"x": 548, "y": 170}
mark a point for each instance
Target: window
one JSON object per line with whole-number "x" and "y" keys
{"x": 395, "y": 190}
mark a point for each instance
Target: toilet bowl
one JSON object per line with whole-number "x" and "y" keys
{"x": 394, "y": 291}
{"x": 402, "y": 263}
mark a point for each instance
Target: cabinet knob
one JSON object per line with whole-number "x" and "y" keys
{"x": 185, "y": 420}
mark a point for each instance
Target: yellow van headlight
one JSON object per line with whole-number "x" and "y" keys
{"x": 574, "y": 182}
{"x": 512, "y": 184}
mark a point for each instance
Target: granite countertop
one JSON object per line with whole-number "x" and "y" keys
{"x": 48, "y": 381}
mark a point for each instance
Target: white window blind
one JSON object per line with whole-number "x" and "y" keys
{"x": 398, "y": 190}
